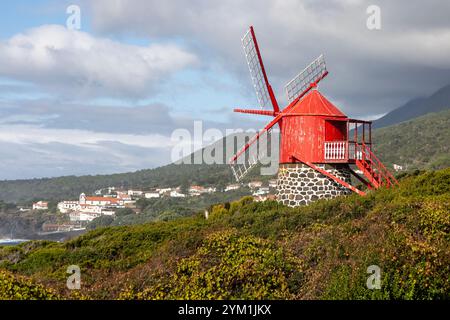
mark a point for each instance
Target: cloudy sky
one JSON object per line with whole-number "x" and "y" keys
{"x": 106, "y": 98}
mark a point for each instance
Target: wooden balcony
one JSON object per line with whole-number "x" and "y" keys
{"x": 342, "y": 151}
{"x": 336, "y": 150}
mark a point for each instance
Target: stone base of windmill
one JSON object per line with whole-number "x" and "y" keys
{"x": 299, "y": 184}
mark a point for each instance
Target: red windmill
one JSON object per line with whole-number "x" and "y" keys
{"x": 318, "y": 141}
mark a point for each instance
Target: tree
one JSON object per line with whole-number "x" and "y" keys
{"x": 102, "y": 221}
{"x": 184, "y": 187}
{"x": 124, "y": 212}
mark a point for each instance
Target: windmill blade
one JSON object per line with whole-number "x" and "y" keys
{"x": 261, "y": 84}
{"x": 312, "y": 74}
{"x": 250, "y": 155}
{"x": 255, "y": 137}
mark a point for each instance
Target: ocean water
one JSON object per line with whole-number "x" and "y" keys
{"x": 11, "y": 242}
{"x": 53, "y": 236}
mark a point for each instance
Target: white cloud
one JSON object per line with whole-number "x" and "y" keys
{"x": 29, "y": 134}
{"x": 82, "y": 65}
{"x": 292, "y": 28}
{"x": 24, "y": 161}
{"x": 31, "y": 151}
{"x": 370, "y": 71}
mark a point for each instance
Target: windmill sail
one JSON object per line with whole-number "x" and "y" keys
{"x": 251, "y": 154}
{"x": 313, "y": 73}
{"x": 257, "y": 71}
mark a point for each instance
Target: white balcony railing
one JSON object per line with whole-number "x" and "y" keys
{"x": 335, "y": 150}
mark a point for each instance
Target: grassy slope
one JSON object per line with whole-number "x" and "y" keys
{"x": 265, "y": 250}
{"x": 422, "y": 143}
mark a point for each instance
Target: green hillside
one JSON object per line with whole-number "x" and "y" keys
{"x": 249, "y": 250}
{"x": 420, "y": 143}
{"x": 70, "y": 187}
{"x": 423, "y": 143}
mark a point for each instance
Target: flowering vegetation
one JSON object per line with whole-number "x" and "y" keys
{"x": 18, "y": 288}
{"x": 249, "y": 250}
{"x": 227, "y": 266}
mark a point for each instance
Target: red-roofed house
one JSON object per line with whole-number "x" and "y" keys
{"x": 40, "y": 205}
{"x": 100, "y": 201}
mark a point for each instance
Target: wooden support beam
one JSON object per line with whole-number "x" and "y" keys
{"x": 357, "y": 176}
{"x": 331, "y": 176}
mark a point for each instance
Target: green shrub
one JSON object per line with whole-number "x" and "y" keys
{"x": 228, "y": 266}
{"x": 266, "y": 250}
{"x": 19, "y": 288}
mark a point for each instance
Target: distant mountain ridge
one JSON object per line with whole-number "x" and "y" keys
{"x": 438, "y": 101}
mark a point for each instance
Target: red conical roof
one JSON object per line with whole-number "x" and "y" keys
{"x": 314, "y": 103}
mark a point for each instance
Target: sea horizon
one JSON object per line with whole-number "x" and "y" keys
{"x": 10, "y": 242}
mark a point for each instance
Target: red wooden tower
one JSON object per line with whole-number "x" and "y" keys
{"x": 318, "y": 145}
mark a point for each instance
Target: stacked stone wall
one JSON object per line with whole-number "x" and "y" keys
{"x": 299, "y": 184}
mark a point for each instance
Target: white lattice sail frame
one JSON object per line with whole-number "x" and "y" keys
{"x": 311, "y": 74}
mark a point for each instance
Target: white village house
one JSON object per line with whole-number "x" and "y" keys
{"x": 88, "y": 208}
{"x": 66, "y": 206}
{"x": 176, "y": 194}
{"x": 255, "y": 184}
{"x": 152, "y": 194}
{"x": 123, "y": 195}
{"x": 40, "y": 205}
{"x": 232, "y": 187}
{"x": 261, "y": 191}
{"x": 135, "y": 193}
{"x": 100, "y": 201}
{"x": 164, "y": 191}
{"x": 198, "y": 190}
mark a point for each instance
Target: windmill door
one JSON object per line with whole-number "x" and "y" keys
{"x": 335, "y": 146}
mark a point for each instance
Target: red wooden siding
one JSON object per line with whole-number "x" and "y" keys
{"x": 307, "y": 126}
